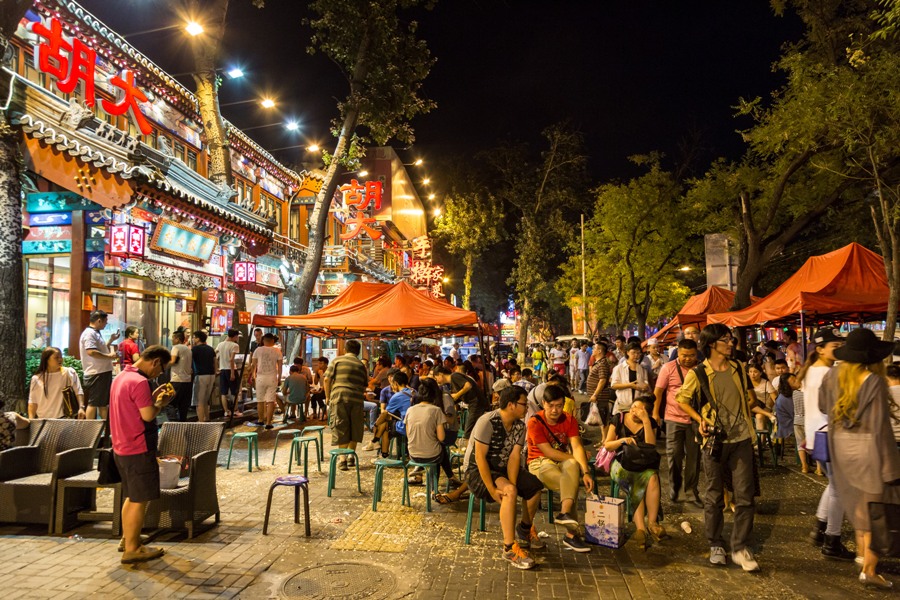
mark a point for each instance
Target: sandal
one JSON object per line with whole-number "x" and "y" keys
{"x": 658, "y": 533}
{"x": 442, "y": 498}
{"x": 640, "y": 536}
{"x": 415, "y": 480}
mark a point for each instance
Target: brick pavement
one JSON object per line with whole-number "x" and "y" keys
{"x": 425, "y": 552}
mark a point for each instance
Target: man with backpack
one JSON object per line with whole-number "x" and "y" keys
{"x": 682, "y": 447}
{"x": 716, "y": 395}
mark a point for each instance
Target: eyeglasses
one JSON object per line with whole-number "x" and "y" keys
{"x": 525, "y": 404}
{"x": 726, "y": 340}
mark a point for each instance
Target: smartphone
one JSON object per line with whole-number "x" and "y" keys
{"x": 118, "y": 332}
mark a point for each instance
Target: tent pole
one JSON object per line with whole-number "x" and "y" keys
{"x": 484, "y": 361}
{"x": 240, "y": 391}
{"x": 802, "y": 337}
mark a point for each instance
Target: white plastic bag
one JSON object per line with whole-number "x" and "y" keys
{"x": 169, "y": 470}
{"x": 594, "y": 416}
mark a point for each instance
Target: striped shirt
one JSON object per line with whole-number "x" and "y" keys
{"x": 349, "y": 378}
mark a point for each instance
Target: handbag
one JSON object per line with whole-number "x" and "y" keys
{"x": 884, "y": 523}
{"x": 820, "y": 445}
{"x": 108, "y": 471}
{"x": 639, "y": 457}
{"x": 603, "y": 460}
{"x": 70, "y": 400}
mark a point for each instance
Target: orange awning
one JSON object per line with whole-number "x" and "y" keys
{"x": 694, "y": 311}
{"x": 379, "y": 310}
{"x": 849, "y": 283}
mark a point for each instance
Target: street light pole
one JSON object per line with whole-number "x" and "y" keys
{"x": 583, "y": 282}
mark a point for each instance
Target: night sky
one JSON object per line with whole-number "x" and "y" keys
{"x": 634, "y": 76}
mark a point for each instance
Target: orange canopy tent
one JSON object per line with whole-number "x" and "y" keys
{"x": 379, "y": 310}
{"x": 849, "y": 284}
{"x": 715, "y": 299}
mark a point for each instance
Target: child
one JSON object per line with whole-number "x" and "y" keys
{"x": 296, "y": 391}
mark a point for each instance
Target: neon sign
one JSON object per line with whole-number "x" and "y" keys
{"x": 357, "y": 197}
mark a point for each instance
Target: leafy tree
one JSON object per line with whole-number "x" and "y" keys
{"x": 544, "y": 196}
{"x": 469, "y": 224}
{"x": 639, "y": 233}
{"x": 384, "y": 64}
{"x": 12, "y": 277}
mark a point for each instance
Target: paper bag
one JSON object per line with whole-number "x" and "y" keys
{"x": 604, "y": 521}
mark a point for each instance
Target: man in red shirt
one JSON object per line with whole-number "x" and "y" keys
{"x": 132, "y": 423}
{"x": 556, "y": 456}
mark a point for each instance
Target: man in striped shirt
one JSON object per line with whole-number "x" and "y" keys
{"x": 345, "y": 383}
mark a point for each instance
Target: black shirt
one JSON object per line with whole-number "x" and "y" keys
{"x": 204, "y": 359}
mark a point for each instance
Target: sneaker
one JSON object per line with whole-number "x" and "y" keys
{"x": 351, "y": 461}
{"x": 523, "y": 536}
{"x": 535, "y": 540}
{"x": 269, "y": 426}
{"x": 371, "y": 446}
{"x": 745, "y": 559}
{"x": 575, "y": 544}
{"x": 717, "y": 556}
{"x": 142, "y": 554}
{"x": 518, "y": 557}
{"x": 342, "y": 465}
{"x": 565, "y": 519}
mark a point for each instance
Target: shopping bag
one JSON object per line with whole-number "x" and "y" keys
{"x": 594, "y": 416}
{"x": 884, "y": 523}
{"x": 604, "y": 521}
{"x": 603, "y": 460}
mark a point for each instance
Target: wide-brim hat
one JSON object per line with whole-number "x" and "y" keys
{"x": 864, "y": 347}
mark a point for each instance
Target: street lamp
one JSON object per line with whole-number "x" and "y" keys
{"x": 426, "y": 181}
{"x": 313, "y": 148}
{"x": 289, "y": 125}
{"x": 264, "y": 102}
{"x": 363, "y": 173}
{"x": 431, "y": 196}
{"x": 436, "y": 212}
{"x": 192, "y": 28}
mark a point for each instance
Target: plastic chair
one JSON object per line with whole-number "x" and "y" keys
{"x": 481, "y": 508}
{"x": 332, "y": 467}
{"x": 763, "y": 437}
{"x": 252, "y": 448}
{"x": 380, "y": 465}
{"x": 432, "y": 473}
{"x": 401, "y": 446}
{"x": 295, "y": 447}
{"x": 298, "y": 483}
{"x": 278, "y": 434}
{"x": 317, "y": 429}
{"x": 456, "y": 456}
{"x": 614, "y": 492}
{"x": 550, "y": 518}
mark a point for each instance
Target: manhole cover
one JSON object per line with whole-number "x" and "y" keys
{"x": 341, "y": 581}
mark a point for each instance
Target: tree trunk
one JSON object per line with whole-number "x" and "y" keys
{"x": 467, "y": 281}
{"x": 524, "y": 319}
{"x": 319, "y": 218}
{"x": 12, "y": 281}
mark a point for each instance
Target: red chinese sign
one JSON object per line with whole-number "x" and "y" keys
{"x": 229, "y": 297}
{"x": 127, "y": 240}
{"x": 244, "y": 272}
{"x": 425, "y": 275}
{"x": 358, "y": 197}
{"x": 69, "y": 60}
{"x": 421, "y": 248}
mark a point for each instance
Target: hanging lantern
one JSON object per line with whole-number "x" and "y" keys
{"x": 127, "y": 241}
{"x": 244, "y": 272}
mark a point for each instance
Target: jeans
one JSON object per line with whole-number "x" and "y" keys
{"x": 830, "y": 509}
{"x": 177, "y": 410}
{"x": 372, "y": 409}
{"x": 682, "y": 449}
{"x": 582, "y": 379}
{"x": 737, "y": 458}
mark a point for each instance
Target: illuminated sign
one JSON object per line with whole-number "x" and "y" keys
{"x": 357, "y": 197}
{"x": 48, "y": 202}
{"x": 176, "y": 239}
{"x": 126, "y": 240}
{"x": 48, "y": 240}
{"x": 70, "y": 60}
{"x": 244, "y": 272}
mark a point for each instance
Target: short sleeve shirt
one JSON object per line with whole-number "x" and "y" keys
{"x": 204, "y": 359}
{"x": 92, "y": 340}
{"x": 670, "y": 381}
{"x": 489, "y": 430}
{"x": 422, "y": 421}
{"x": 130, "y": 393}
{"x": 181, "y": 371}
{"x": 558, "y": 356}
{"x": 564, "y": 430}
{"x": 268, "y": 362}
{"x": 128, "y": 348}
{"x": 226, "y": 351}
{"x": 349, "y": 378}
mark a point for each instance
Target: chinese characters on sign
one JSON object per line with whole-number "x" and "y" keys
{"x": 244, "y": 272}
{"x": 70, "y": 60}
{"x": 358, "y": 197}
{"x": 126, "y": 240}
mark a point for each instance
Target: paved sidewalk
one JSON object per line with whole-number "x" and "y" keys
{"x": 401, "y": 552}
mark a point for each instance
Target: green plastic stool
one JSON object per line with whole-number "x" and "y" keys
{"x": 456, "y": 456}
{"x": 295, "y": 446}
{"x": 614, "y": 492}
{"x": 380, "y": 465}
{"x": 317, "y": 429}
{"x": 550, "y": 518}
{"x": 481, "y": 509}
{"x": 401, "y": 446}
{"x": 463, "y": 416}
{"x": 283, "y": 432}
{"x": 252, "y": 448}
{"x": 332, "y": 467}
{"x": 762, "y": 437}
{"x": 432, "y": 473}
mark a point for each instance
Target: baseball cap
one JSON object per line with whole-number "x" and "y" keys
{"x": 500, "y": 385}
{"x": 827, "y": 334}
{"x": 653, "y": 342}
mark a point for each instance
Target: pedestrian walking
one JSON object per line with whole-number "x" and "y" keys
{"x": 265, "y": 373}
{"x": 229, "y": 377}
{"x": 203, "y": 358}
{"x": 97, "y": 362}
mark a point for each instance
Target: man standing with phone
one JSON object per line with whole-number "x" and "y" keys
{"x": 97, "y": 360}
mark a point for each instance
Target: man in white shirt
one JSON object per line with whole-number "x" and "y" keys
{"x": 454, "y": 352}
{"x": 229, "y": 380}
{"x": 97, "y": 361}
{"x": 581, "y": 365}
{"x": 265, "y": 370}
{"x": 558, "y": 359}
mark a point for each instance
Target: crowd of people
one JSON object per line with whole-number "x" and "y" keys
{"x": 521, "y": 429}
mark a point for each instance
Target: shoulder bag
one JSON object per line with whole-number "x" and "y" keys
{"x": 70, "y": 398}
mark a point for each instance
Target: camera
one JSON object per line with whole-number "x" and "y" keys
{"x": 714, "y": 442}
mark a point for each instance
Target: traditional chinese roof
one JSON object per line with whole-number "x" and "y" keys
{"x": 245, "y": 144}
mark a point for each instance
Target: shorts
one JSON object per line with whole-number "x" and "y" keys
{"x": 96, "y": 389}
{"x": 266, "y": 390}
{"x": 140, "y": 476}
{"x": 347, "y": 422}
{"x": 538, "y": 365}
{"x": 227, "y": 387}
{"x": 527, "y": 485}
{"x": 800, "y": 435}
{"x": 560, "y": 368}
{"x": 203, "y": 387}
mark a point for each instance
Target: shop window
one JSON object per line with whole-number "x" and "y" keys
{"x": 294, "y": 225}
{"x": 178, "y": 149}
{"x": 191, "y": 160}
{"x": 47, "y": 302}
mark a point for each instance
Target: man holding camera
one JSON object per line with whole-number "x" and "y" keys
{"x": 715, "y": 394}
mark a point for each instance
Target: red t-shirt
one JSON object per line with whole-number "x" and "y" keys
{"x": 129, "y": 394}
{"x": 565, "y": 428}
{"x": 128, "y": 348}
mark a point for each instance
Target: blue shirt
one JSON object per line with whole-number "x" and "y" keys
{"x": 398, "y": 405}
